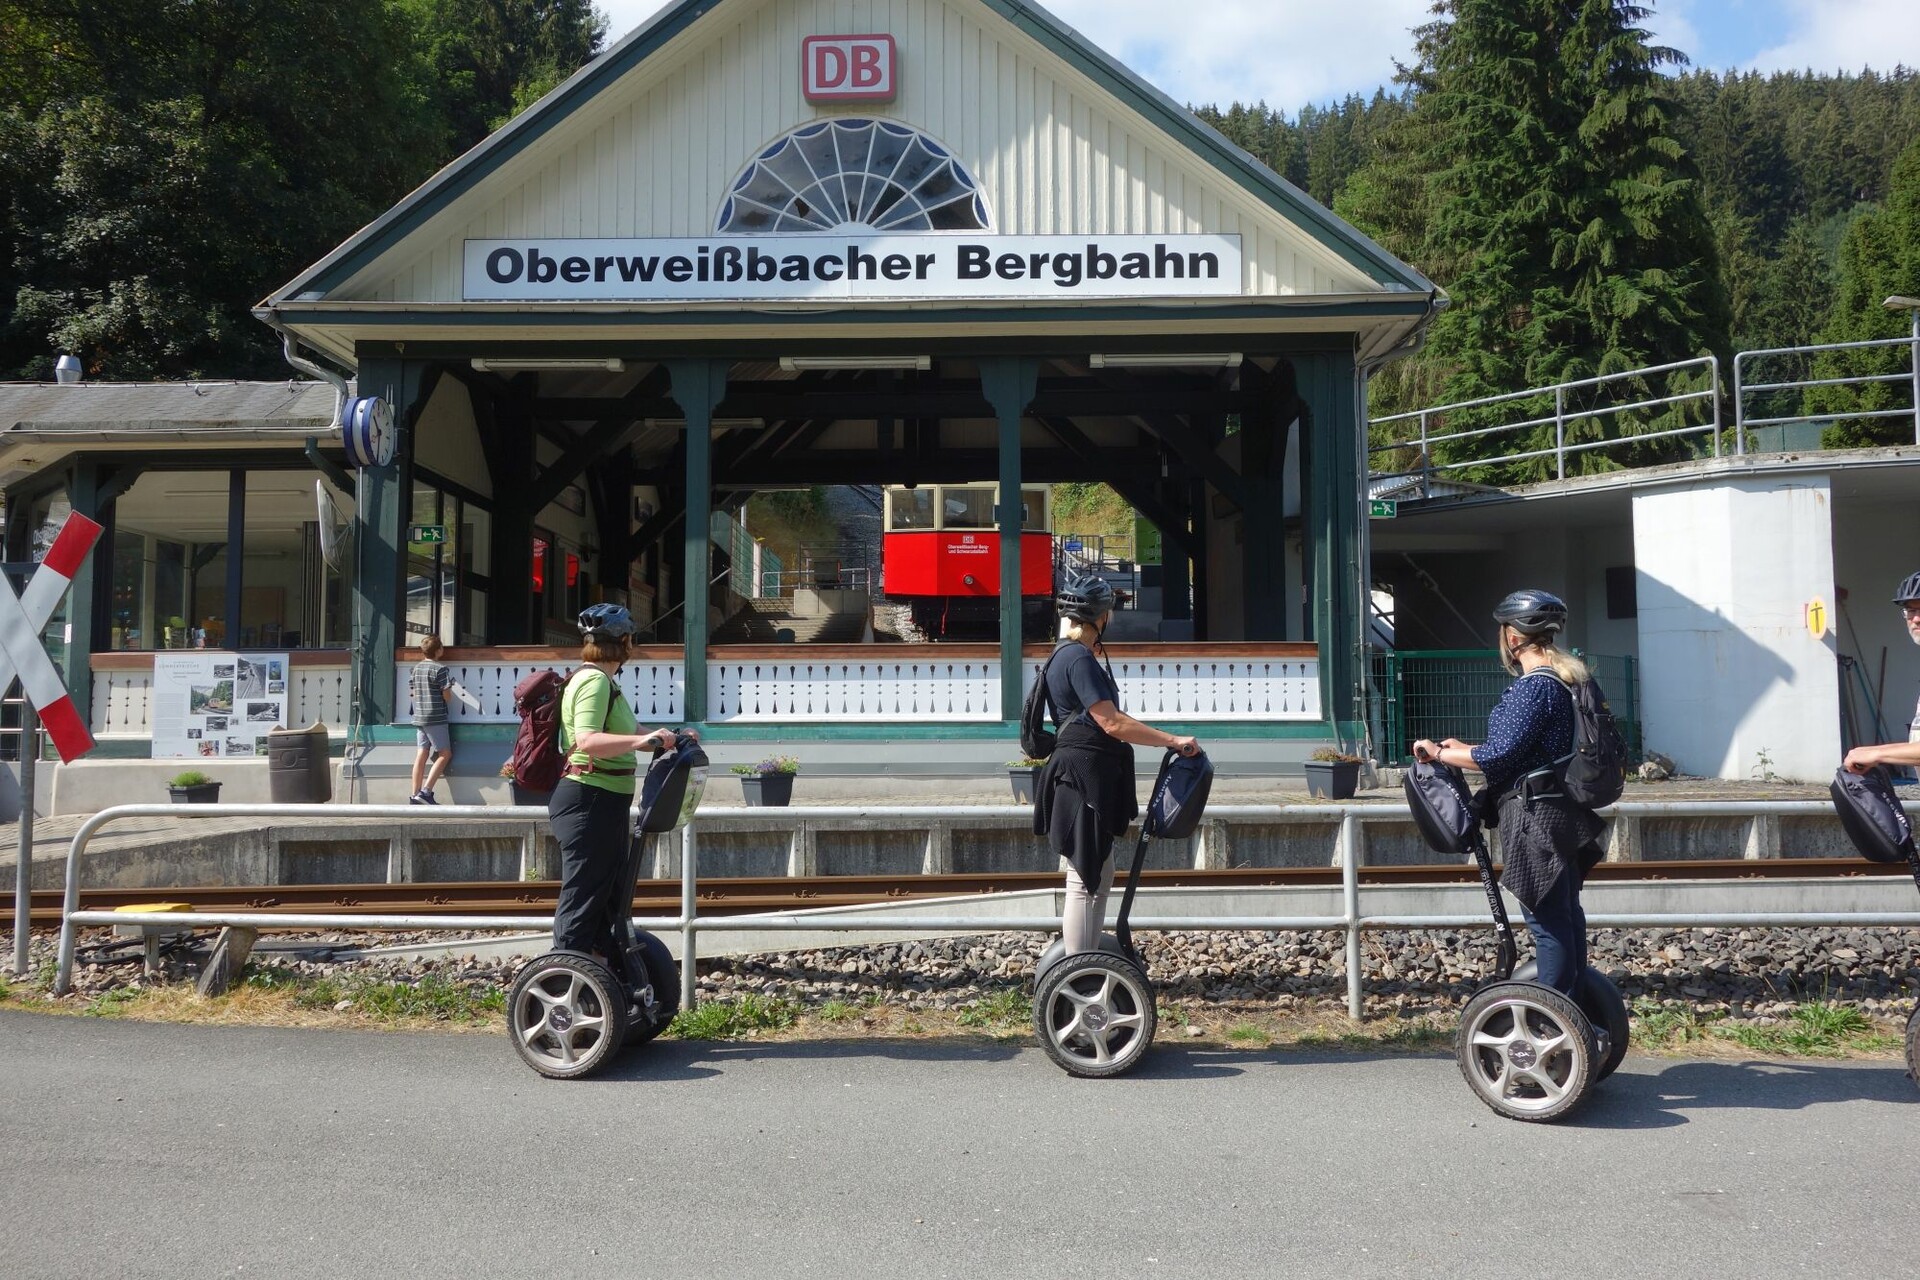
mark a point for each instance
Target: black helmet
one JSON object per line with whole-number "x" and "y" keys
{"x": 1085, "y": 598}
{"x": 1909, "y": 590}
{"x": 1532, "y": 613}
{"x": 605, "y": 622}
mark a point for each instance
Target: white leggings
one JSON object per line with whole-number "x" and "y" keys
{"x": 1086, "y": 909}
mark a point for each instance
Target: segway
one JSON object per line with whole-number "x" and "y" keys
{"x": 1877, "y": 824}
{"x": 1526, "y": 1050}
{"x": 1094, "y": 1010}
{"x": 568, "y": 1012}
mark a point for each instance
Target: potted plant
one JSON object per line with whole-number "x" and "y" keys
{"x": 1332, "y": 775}
{"x": 768, "y": 783}
{"x": 521, "y": 795}
{"x": 193, "y": 787}
{"x": 1024, "y": 774}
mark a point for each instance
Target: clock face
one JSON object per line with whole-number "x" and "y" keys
{"x": 369, "y": 431}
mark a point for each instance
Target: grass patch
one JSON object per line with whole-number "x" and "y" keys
{"x": 1006, "y": 1007}
{"x": 6, "y": 990}
{"x": 1247, "y": 1033}
{"x": 1816, "y": 1029}
{"x": 733, "y": 1019}
{"x": 432, "y": 999}
{"x": 111, "y": 1004}
{"x": 837, "y": 1011}
{"x": 1659, "y": 1028}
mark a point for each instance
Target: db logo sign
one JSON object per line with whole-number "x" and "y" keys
{"x": 967, "y": 539}
{"x": 849, "y": 68}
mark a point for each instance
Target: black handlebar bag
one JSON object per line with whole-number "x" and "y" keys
{"x": 1872, "y": 815}
{"x": 1442, "y": 806}
{"x": 671, "y": 791}
{"x": 1179, "y": 797}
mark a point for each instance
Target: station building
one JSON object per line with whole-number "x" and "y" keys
{"x": 762, "y": 245}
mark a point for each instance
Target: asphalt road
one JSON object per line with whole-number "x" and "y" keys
{"x": 147, "y": 1150}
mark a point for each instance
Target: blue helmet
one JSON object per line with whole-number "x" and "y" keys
{"x": 1532, "y": 612}
{"x": 1909, "y": 591}
{"x": 606, "y": 622}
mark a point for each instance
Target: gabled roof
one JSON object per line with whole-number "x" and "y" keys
{"x": 527, "y": 129}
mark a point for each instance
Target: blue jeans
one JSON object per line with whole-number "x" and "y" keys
{"x": 1559, "y": 929}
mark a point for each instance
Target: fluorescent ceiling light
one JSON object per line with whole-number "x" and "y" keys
{"x": 1167, "y": 360}
{"x": 807, "y": 364}
{"x": 612, "y": 364}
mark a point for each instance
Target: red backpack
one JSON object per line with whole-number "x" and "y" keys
{"x": 537, "y": 762}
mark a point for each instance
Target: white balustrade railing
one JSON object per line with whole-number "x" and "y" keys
{"x": 907, "y": 689}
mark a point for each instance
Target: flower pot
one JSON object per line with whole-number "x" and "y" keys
{"x": 1024, "y": 781}
{"x": 205, "y": 793}
{"x": 526, "y": 797}
{"x": 767, "y": 790}
{"x": 1332, "y": 779}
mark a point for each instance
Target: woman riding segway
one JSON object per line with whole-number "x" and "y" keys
{"x": 603, "y": 985}
{"x": 1084, "y": 801}
{"x": 1548, "y": 843}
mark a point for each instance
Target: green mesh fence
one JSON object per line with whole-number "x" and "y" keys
{"x": 1447, "y": 693}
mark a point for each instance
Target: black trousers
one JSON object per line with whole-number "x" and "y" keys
{"x": 591, "y": 825}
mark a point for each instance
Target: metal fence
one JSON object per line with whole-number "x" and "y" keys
{"x": 1347, "y": 853}
{"x": 1783, "y": 400}
{"x": 1447, "y": 693}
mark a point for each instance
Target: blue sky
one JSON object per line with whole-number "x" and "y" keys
{"x": 1292, "y": 52}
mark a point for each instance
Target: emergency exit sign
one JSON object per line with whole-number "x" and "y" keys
{"x": 427, "y": 533}
{"x": 1383, "y": 508}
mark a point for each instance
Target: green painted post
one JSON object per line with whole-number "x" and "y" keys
{"x": 1337, "y": 506}
{"x": 697, "y": 386}
{"x": 377, "y": 585}
{"x": 83, "y": 497}
{"x": 1009, "y": 383}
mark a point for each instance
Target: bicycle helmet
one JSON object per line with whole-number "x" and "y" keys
{"x": 1532, "y": 612}
{"x": 605, "y": 622}
{"x": 1909, "y": 590}
{"x": 1085, "y": 598}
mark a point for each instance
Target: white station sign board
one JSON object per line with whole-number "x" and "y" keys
{"x": 826, "y": 267}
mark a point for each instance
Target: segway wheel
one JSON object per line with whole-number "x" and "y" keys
{"x": 567, "y": 1016}
{"x": 1526, "y": 1050}
{"x": 1094, "y": 1014}
{"x": 664, "y": 974}
{"x": 1913, "y": 1046}
{"x": 1605, "y": 1008}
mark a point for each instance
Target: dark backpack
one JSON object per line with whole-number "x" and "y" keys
{"x": 1036, "y": 740}
{"x": 1872, "y": 815}
{"x": 537, "y": 762}
{"x": 1595, "y": 774}
{"x": 1442, "y": 806}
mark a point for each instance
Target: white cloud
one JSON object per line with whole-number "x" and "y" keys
{"x": 1288, "y": 52}
{"x": 1845, "y": 35}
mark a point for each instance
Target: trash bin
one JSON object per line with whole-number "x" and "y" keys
{"x": 299, "y": 770}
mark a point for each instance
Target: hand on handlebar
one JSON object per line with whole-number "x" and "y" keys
{"x": 1861, "y": 760}
{"x": 1425, "y": 751}
{"x": 1187, "y": 746}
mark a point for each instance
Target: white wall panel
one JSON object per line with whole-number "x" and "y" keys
{"x": 1053, "y": 153}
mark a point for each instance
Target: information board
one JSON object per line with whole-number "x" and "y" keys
{"x": 211, "y": 705}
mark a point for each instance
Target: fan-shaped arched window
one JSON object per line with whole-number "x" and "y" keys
{"x": 838, "y": 175}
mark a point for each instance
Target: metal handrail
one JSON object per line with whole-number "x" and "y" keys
{"x": 1742, "y": 388}
{"x": 1560, "y": 419}
{"x": 1352, "y": 920}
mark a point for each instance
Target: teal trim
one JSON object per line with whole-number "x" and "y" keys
{"x": 378, "y": 606}
{"x": 531, "y": 126}
{"x": 1336, "y": 496}
{"x": 83, "y": 496}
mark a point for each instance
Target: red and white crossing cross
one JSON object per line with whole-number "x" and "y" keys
{"x": 24, "y": 617}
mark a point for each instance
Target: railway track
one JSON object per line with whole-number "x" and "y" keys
{"x": 740, "y": 896}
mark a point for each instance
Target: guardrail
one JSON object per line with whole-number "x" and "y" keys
{"x": 1791, "y": 390}
{"x": 1352, "y": 920}
{"x": 1561, "y": 419}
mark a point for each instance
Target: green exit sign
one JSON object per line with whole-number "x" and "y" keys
{"x": 1382, "y": 508}
{"x": 428, "y": 533}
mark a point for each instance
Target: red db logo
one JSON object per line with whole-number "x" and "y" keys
{"x": 849, "y": 68}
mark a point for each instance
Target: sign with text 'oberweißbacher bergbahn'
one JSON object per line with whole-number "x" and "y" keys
{"x": 852, "y": 267}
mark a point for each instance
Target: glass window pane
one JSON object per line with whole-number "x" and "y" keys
{"x": 281, "y": 569}
{"x": 1033, "y": 504}
{"x": 967, "y": 508}
{"x": 910, "y": 508}
{"x": 173, "y": 525}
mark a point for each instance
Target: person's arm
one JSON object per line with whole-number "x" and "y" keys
{"x": 1118, "y": 724}
{"x": 1861, "y": 759}
{"x": 1451, "y": 751}
{"x": 590, "y": 709}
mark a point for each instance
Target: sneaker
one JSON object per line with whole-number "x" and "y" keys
{"x": 422, "y": 797}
